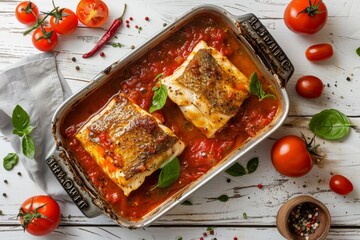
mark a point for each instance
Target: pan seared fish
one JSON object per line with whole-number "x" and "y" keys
{"x": 208, "y": 88}
{"x": 128, "y": 143}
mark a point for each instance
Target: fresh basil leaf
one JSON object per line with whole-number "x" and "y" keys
{"x": 255, "y": 85}
{"x": 210, "y": 229}
{"x": 156, "y": 87}
{"x": 28, "y": 146}
{"x": 169, "y": 173}
{"x": 256, "y": 88}
{"x": 252, "y": 165}
{"x": 10, "y": 161}
{"x": 18, "y": 132}
{"x": 28, "y": 130}
{"x": 330, "y": 124}
{"x": 236, "y": 170}
{"x": 159, "y": 98}
{"x": 119, "y": 45}
{"x": 158, "y": 76}
{"x": 358, "y": 51}
{"x": 22, "y": 132}
{"x": 20, "y": 119}
{"x": 223, "y": 198}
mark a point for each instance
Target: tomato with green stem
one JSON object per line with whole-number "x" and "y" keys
{"x": 26, "y": 12}
{"x": 293, "y": 156}
{"x": 39, "y": 215}
{"x": 44, "y": 39}
{"x": 305, "y": 17}
{"x": 340, "y": 185}
{"x": 92, "y": 13}
{"x": 64, "y": 21}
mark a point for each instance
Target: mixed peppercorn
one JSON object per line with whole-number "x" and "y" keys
{"x": 303, "y": 220}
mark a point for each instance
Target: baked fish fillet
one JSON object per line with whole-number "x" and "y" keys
{"x": 128, "y": 143}
{"x": 208, "y": 88}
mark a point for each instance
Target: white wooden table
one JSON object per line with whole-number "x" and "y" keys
{"x": 341, "y": 75}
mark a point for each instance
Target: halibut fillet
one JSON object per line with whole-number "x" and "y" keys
{"x": 208, "y": 88}
{"x": 128, "y": 143}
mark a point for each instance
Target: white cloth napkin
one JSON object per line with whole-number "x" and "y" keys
{"x": 39, "y": 88}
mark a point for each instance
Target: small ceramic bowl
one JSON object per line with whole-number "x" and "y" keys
{"x": 284, "y": 214}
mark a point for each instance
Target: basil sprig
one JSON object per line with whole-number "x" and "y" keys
{"x": 330, "y": 124}
{"x": 169, "y": 173}
{"x": 160, "y": 96}
{"x": 10, "y": 161}
{"x": 22, "y": 128}
{"x": 237, "y": 169}
{"x": 256, "y": 88}
{"x": 252, "y": 165}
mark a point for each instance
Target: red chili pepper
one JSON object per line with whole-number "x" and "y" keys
{"x": 107, "y": 36}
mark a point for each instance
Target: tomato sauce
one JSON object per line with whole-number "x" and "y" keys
{"x": 201, "y": 153}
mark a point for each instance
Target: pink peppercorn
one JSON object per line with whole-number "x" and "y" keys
{"x": 131, "y": 18}
{"x": 235, "y": 238}
{"x": 204, "y": 234}
{"x": 260, "y": 186}
{"x": 127, "y": 25}
{"x": 136, "y": 26}
{"x": 102, "y": 54}
{"x": 127, "y": 21}
{"x": 146, "y": 18}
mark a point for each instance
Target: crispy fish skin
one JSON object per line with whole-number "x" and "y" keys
{"x": 208, "y": 88}
{"x": 128, "y": 143}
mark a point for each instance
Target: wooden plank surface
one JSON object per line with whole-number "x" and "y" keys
{"x": 340, "y": 74}
{"x": 166, "y": 233}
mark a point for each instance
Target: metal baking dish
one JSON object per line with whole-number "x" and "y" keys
{"x": 266, "y": 53}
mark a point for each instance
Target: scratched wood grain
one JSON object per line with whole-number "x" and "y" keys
{"x": 168, "y": 233}
{"x": 341, "y": 76}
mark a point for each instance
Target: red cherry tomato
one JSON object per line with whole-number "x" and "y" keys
{"x": 44, "y": 39}
{"x": 309, "y": 86}
{"x": 26, "y": 12}
{"x": 340, "y": 185}
{"x": 64, "y": 22}
{"x": 319, "y": 52}
{"x": 291, "y": 157}
{"x": 92, "y": 13}
{"x": 305, "y": 17}
{"x": 39, "y": 215}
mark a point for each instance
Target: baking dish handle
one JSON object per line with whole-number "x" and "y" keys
{"x": 71, "y": 184}
{"x": 265, "y": 46}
